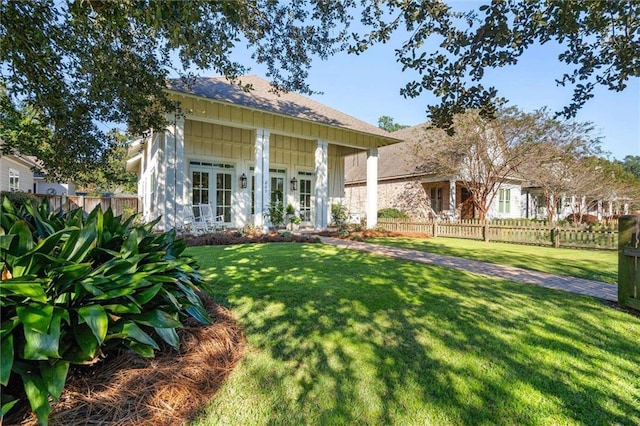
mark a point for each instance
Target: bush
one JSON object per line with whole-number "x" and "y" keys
{"x": 339, "y": 215}
{"x": 19, "y": 198}
{"x": 76, "y": 286}
{"x": 392, "y": 213}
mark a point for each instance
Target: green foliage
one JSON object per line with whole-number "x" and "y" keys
{"x": 600, "y": 37}
{"x": 276, "y": 213}
{"x": 385, "y": 122}
{"x": 60, "y": 55}
{"x": 76, "y": 286}
{"x": 339, "y": 215}
{"x": 631, "y": 164}
{"x": 19, "y": 198}
{"x": 392, "y": 213}
{"x": 109, "y": 175}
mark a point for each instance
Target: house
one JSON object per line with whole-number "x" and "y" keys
{"x": 405, "y": 183}
{"x": 242, "y": 151}
{"x": 18, "y": 173}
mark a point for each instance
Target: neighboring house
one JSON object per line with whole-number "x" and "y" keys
{"x": 406, "y": 184}
{"x": 242, "y": 150}
{"x": 535, "y": 205}
{"x": 17, "y": 174}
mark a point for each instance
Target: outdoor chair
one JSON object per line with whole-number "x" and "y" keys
{"x": 213, "y": 222}
{"x": 193, "y": 224}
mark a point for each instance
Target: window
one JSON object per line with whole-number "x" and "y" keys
{"x": 14, "y": 180}
{"x": 212, "y": 183}
{"x": 436, "y": 199}
{"x": 504, "y": 201}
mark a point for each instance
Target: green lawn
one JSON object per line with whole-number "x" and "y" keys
{"x": 599, "y": 265}
{"x": 344, "y": 337}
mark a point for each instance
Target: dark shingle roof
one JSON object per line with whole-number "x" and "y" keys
{"x": 394, "y": 161}
{"x": 263, "y": 98}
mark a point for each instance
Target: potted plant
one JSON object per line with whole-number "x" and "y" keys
{"x": 291, "y": 219}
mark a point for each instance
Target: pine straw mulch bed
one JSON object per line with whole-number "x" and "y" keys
{"x": 169, "y": 389}
{"x": 364, "y": 234}
{"x": 237, "y": 237}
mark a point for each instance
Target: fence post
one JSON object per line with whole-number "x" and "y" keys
{"x": 485, "y": 231}
{"x": 435, "y": 229}
{"x": 555, "y": 237}
{"x": 627, "y": 273}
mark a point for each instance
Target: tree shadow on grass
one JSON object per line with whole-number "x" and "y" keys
{"x": 352, "y": 338}
{"x": 592, "y": 268}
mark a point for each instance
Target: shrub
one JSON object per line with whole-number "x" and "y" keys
{"x": 339, "y": 215}
{"x": 392, "y": 213}
{"x": 76, "y": 286}
{"x": 19, "y": 198}
{"x": 276, "y": 213}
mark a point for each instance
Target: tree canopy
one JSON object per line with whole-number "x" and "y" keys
{"x": 86, "y": 64}
{"x": 388, "y": 123}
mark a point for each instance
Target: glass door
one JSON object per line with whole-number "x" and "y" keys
{"x": 304, "y": 195}
{"x": 223, "y": 195}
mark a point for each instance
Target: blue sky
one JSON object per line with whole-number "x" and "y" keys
{"x": 368, "y": 86}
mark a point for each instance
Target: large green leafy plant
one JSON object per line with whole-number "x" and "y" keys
{"x": 75, "y": 286}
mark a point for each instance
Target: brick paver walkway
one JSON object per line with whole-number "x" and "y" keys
{"x": 570, "y": 284}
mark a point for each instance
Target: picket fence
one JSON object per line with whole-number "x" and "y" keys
{"x": 510, "y": 231}
{"x": 120, "y": 205}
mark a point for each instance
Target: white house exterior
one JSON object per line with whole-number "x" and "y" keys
{"x": 404, "y": 183}
{"x": 289, "y": 148}
{"x": 16, "y": 174}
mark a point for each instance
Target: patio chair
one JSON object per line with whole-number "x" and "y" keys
{"x": 193, "y": 224}
{"x": 214, "y": 223}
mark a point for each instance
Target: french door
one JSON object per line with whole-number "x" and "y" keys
{"x": 213, "y": 183}
{"x": 305, "y": 188}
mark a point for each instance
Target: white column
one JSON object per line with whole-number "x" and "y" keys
{"x": 322, "y": 185}
{"x": 261, "y": 175}
{"x": 452, "y": 197}
{"x": 181, "y": 170}
{"x": 372, "y": 188}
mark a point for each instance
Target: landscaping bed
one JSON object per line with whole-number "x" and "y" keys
{"x": 169, "y": 389}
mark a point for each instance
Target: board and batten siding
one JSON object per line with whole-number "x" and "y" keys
{"x": 204, "y": 110}
{"x": 26, "y": 175}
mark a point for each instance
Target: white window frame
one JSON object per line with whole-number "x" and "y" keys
{"x": 14, "y": 180}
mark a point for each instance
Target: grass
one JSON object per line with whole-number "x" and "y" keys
{"x": 344, "y": 337}
{"x": 599, "y": 265}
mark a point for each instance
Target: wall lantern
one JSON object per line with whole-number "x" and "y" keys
{"x": 243, "y": 181}
{"x": 294, "y": 184}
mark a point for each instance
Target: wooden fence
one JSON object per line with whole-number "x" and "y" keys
{"x": 628, "y": 269}
{"x": 511, "y": 231}
{"x": 120, "y": 205}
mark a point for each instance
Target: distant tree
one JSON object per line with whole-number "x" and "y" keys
{"x": 560, "y": 165}
{"x": 483, "y": 154}
{"x": 631, "y": 164}
{"x": 109, "y": 174}
{"x": 387, "y": 123}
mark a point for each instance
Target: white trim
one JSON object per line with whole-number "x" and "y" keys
{"x": 321, "y": 184}
{"x": 372, "y": 188}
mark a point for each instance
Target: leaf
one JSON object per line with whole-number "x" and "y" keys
{"x": 169, "y": 335}
{"x": 79, "y": 244}
{"x": 130, "y": 330}
{"x": 157, "y": 318}
{"x": 7, "y": 326}
{"x": 6, "y": 359}
{"x": 143, "y": 297}
{"x": 198, "y": 313}
{"x": 142, "y": 350}
{"x": 36, "y": 391}
{"x": 96, "y": 318}
{"x": 123, "y": 308}
{"x": 24, "y": 241}
{"x": 24, "y": 288}
{"x": 86, "y": 340}
{"x": 55, "y": 376}
{"x": 36, "y": 317}
{"x": 6, "y": 407}
{"x": 41, "y": 346}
